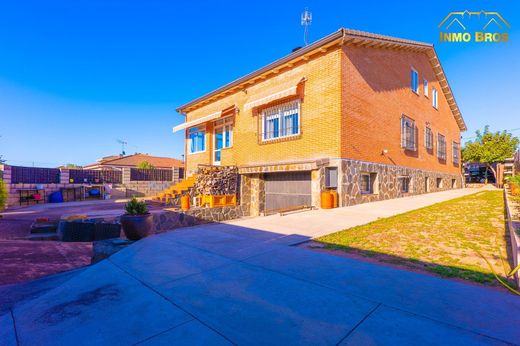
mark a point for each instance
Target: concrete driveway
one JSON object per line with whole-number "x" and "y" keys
{"x": 226, "y": 284}
{"x": 315, "y": 223}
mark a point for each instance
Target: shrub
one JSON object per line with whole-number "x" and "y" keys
{"x": 3, "y": 194}
{"x": 135, "y": 207}
{"x": 515, "y": 179}
{"x": 145, "y": 165}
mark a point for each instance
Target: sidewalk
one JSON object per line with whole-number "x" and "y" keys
{"x": 316, "y": 223}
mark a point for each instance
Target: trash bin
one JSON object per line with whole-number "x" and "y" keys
{"x": 326, "y": 200}
{"x": 185, "y": 202}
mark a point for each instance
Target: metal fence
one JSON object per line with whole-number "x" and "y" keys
{"x": 88, "y": 176}
{"x": 139, "y": 174}
{"x": 34, "y": 175}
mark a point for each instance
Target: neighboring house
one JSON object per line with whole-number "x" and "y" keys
{"x": 119, "y": 162}
{"x": 368, "y": 115}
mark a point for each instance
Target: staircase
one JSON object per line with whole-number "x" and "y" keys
{"x": 175, "y": 190}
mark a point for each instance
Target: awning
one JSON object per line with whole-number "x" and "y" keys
{"x": 198, "y": 121}
{"x": 292, "y": 91}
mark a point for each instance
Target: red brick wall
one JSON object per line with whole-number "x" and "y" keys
{"x": 376, "y": 92}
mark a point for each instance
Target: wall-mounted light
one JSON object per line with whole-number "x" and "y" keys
{"x": 384, "y": 152}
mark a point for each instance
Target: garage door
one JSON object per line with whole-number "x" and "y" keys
{"x": 285, "y": 190}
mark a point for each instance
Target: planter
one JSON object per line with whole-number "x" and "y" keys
{"x": 76, "y": 231}
{"x": 87, "y": 230}
{"x": 137, "y": 226}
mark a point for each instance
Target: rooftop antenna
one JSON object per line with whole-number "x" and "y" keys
{"x": 123, "y": 143}
{"x": 306, "y": 22}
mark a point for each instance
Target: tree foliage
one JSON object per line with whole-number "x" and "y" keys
{"x": 489, "y": 148}
{"x": 145, "y": 165}
{"x": 3, "y": 194}
{"x": 72, "y": 166}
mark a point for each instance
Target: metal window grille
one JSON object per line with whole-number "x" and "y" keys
{"x": 455, "y": 150}
{"x": 441, "y": 147}
{"x": 281, "y": 121}
{"x": 366, "y": 184}
{"x": 408, "y": 133}
{"x": 405, "y": 184}
{"x": 428, "y": 138}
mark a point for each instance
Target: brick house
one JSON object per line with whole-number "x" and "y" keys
{"x": 368, "y": 115}
{"x": 120, "y": 162}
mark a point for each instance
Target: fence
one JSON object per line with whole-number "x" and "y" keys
{"x": 34, "y": 175}
{"x": 125, "y": 182}
{"x": 86, "y": 176}
{"x": 139, "y": 174}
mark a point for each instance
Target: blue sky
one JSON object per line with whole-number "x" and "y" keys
{"x": 77, "y": 75}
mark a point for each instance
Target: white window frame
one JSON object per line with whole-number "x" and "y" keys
{"x": 435, "y": 98}
{"x": 425, "y": 87}
{"x": 276, "y": 112}
{"x": 441, "y": 154}
{"x": 455, "y": 150}
{"x": 428, "y": 137}
{"x": 404, "y": 142}
{"x": 225, "y": 123}
{"x": 414, "y": 81}
{"x": 199, "y": 129}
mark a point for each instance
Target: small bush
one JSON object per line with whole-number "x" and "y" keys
{"x": 3, "y": 194}
{"x": 135, "y": 207}
{"x": 145, "y": 165}
{"x": 515, "y": 179}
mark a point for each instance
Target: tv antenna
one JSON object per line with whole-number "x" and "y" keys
{"x": 306, "y": 22}
{"x": 123, "y": 144}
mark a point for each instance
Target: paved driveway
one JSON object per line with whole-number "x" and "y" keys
{"x": 226, "y": 284}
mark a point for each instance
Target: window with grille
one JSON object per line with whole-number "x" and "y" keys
{"x": 368, "y": 183}
{"x": 428, "y": 138}
{"x": 455, "y": 152}
{"x": 281, "y": 121}
{"x": 441, "y": 147}
{"x": 408, "y": 133}
{"x": 414, "y": 80}
{"x": 197, "y": 139}
{"x": 405, "y": 184}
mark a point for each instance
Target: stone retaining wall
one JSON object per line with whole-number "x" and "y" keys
{"x": 387, "y": 182}
{"x": 170, "y": 219}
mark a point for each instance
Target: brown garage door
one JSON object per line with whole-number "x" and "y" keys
{"x": 285, "y": 190}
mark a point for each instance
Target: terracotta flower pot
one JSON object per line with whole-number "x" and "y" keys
{"x": 137, "y": 226}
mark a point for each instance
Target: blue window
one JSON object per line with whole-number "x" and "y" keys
{"x": 281, "y": 121}
{"x": 197, "y": 137}
{"x": 414, "y": 81}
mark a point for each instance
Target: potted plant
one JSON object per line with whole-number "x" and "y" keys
{"x": 137, "y": 222}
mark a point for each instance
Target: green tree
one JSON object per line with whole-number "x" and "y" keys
{"x": 3, "y": 194}
{"x": 1, "y": 160}
{"x": 72, "y": 166}
{"x": 145, "y": 165}
{"x": 489, "y": 148}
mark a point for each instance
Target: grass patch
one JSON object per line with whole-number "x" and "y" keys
{"x": 440, "y": 239}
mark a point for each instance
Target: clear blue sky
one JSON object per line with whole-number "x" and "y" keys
{"x": 77, "y": 75}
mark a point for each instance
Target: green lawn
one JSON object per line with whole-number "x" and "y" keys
{"x": 442, "y": 238}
